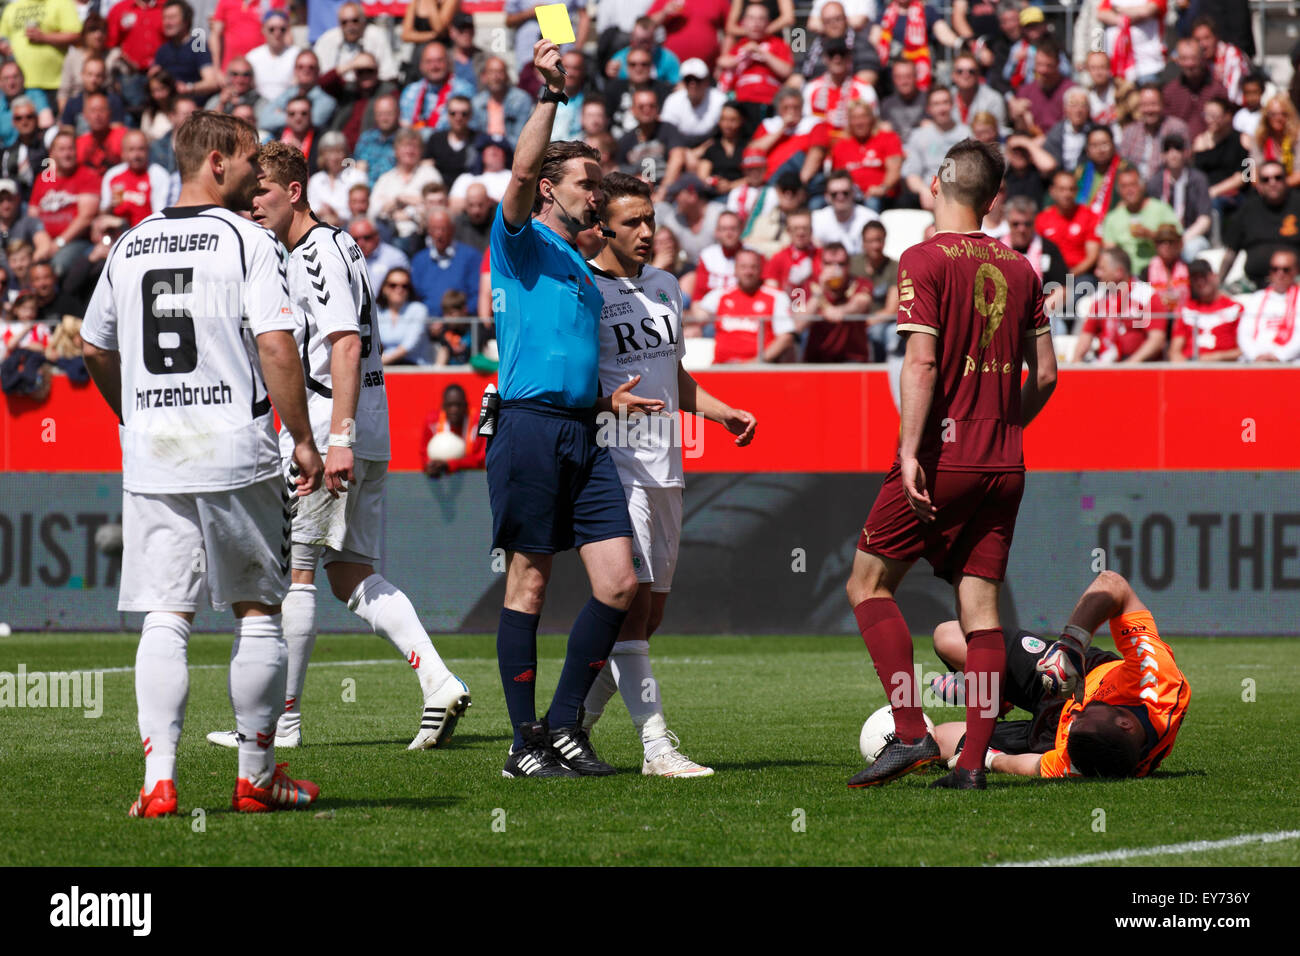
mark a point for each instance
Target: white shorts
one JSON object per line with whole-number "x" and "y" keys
{"x": 656, "y": 515}
{"x": 220, "y": 546}
{"x": 346, "y": 528}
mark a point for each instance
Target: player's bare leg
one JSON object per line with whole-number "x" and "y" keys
{"x": 871, "y": 588}
{"x": 629, "y": 672}
{"x": 391, "y": 615}
{"x": 162, "y": 686}
{"x": 985, "y": 671}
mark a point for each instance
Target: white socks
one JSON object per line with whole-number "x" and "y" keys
{"x": 299, "y": 615}
{"x": 628, "y": 670}
{"x": 258, "y": 663}
{"x": 392, "y": 616}
{"x": 162, "y": 684}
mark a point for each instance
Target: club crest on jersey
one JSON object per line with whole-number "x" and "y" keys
{"x": 1032, "y": 644}
{"x": 663, "y": 297}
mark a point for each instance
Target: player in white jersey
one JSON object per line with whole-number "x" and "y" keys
{"x": 189, "y": 337}
{"x": 641, "y": 345}
{"x": 340, "y": 524}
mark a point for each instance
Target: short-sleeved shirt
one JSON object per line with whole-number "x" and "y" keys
{"x": 242, "y": 22}
{"x": 633, "y": 151}
{"x": 178, "y": 298}
{"x": 1122, "y": 320}
{"x": 136, "y": 28}
{"x": 547, "y": 312}
{"x": 1071, "y": 234}
{"x": 1259, "y": 228}
{"x": 42, "y": 63}
{"x": 984, "y": 304}
{"x": 1115, "y": 229}
{"x": 101, "y": 155}
{"x": 755, "y": 82}
{"x": 182, "y": 61}
{"x": 134, "y": 196}
{"x": 1147, "y": 681}
{"x": 865, "y": 162}
{"x": 739, "y": 318}
{"x": 693, "y": 30}
{"x": 1208, "y": 328}
{"x": 55, "y": 199}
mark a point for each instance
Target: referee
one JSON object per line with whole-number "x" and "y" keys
{"x": 551, "y": 486}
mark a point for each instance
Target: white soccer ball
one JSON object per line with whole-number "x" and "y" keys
{"x": 445, "y": 446}
{"x": 108, "y": 539}
{"x": 876, "y": 731}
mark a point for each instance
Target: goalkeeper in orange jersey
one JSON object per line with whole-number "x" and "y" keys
{"x": 1095, "y": 713}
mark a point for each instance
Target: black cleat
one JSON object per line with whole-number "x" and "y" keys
{"x": 959, "y": 779}
{"x": 535, "y": 758}
{"x": 897, "y": 760}
{"x": 573, "y": 747}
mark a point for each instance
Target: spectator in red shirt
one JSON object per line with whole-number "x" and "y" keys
{"x": 794, "y": 142}
{"x": 1070, "y": 224}
{"x": 135, "y": 188}
{"x": 1206, "y": 329}
{"x": 691, "y": 28}
{"x": 1122, "y": 318}
{"x": 236, "y": 28}
{"x": 740, "y": 316}
{"x": 754, "y": 68}
{"x": 794, "y": 268}
{"x": 135, "y": 28}
{"x": 100, "y": 147}
{"x": 454, "y": 417}
{"x": 872, "y": 156}
{"x": 65, "y": 199}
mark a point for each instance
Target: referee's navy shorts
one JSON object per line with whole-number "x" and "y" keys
{"x": 551, "y": 486}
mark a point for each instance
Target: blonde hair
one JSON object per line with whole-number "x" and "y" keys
{"x": 1289, "y": 132}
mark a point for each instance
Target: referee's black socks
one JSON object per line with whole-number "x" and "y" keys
{"x": 517, "y": 660}
{"x": 590, "y": 641}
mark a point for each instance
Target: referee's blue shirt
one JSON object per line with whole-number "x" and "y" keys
{"x": 547, "y": 312}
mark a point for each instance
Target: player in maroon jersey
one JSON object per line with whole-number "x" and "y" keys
{"x": 972, "y": 312}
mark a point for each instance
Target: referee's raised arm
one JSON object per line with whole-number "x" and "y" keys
{"x": 517, "y": 204}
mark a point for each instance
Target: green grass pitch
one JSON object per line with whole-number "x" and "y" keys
{"x": 778, "y": 717}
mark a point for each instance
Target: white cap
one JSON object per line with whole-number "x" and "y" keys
{"x": 9, "y": 186}
{"x": 695, "y": 67}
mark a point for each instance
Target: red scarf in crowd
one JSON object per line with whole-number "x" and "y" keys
{"x": 418, "y": 119}
{"x": 1287, "y": 328}
{"x": 916, "y": 45}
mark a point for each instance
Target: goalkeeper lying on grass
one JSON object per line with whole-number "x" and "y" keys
{"x": 1095, "y": 714}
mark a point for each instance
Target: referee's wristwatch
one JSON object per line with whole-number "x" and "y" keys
{"x": 550, "y": 96}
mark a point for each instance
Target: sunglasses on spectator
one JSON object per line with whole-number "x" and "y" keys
{"x": 276, "y": 29}
{"x": 344, "y": 21}
{"x": 233, "y": 73}
{"x": 839, "y": 193}
{"x": 1281, "y": 268}
{"x": 24, "y": 116}
{"x": 1271, "y": 179}
{"x": 397, "y": 285}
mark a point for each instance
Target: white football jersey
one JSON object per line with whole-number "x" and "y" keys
{"x": 641, "y": 334}
{"x": 330, "y": 290}
{"x": 182, "y": 298}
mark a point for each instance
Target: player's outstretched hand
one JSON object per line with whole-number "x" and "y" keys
{"x": 546, "y": 57}
{"x": 624, "y": 399}
{"x": 310, "y": 467}
{"x": 1061, "y": 669}
{"x": 338, "y": 469}
{"x": 741, "y": 424}
{"x": 914, "y": 487}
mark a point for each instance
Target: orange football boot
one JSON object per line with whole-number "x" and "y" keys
{"x": 160, "y": 803}
{"x": 282, "y": 794}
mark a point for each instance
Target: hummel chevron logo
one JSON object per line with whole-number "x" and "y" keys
{"x": 317, "y": 270}
{"x": 323, "y": 299}
{"x": 311, "y": 255}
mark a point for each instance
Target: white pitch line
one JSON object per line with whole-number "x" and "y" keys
{"x": 365, "y": 663}
{"x": 1168, "y": 849}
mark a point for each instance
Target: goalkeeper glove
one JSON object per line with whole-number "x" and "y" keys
{"x": 1061, "y": 669}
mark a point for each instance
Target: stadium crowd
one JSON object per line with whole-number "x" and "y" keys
{"x": 1152, "y": 182}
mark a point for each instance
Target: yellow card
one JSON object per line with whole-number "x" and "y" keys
{"x": 554, "y": 20}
